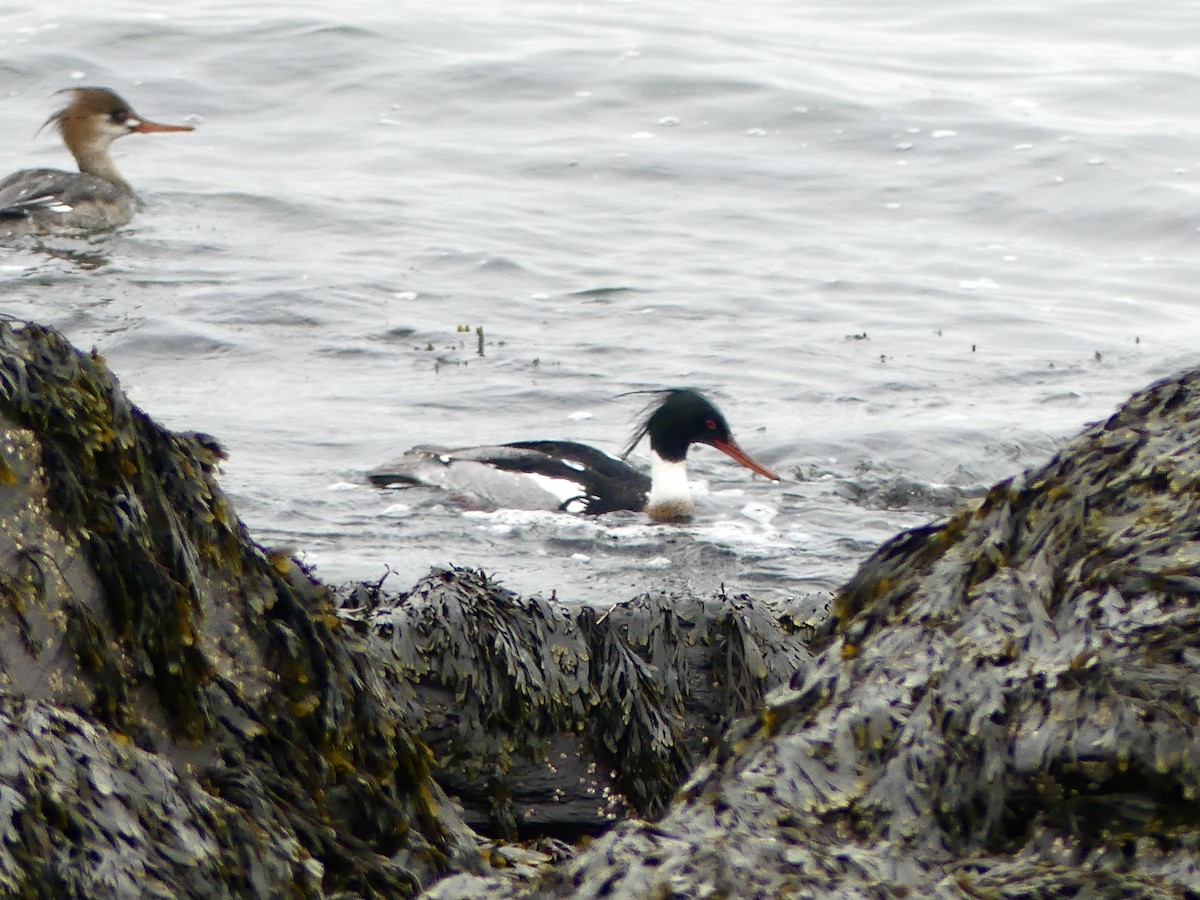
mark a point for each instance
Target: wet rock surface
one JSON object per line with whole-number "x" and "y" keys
{"x": 181, "y": 710}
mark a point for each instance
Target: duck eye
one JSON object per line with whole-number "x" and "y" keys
{"x": 120, "y": 115}
{"x": 710, "y": 424}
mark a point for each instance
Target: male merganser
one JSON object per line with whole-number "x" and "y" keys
{"x": 564, "y": 475}
{"x": 94, "y": 197}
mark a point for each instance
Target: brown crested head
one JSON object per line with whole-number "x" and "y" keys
{"x": 98, "y": 101}
{"x": 93, "y": 119}
{"x": 95, "y": 111}
{"x": 88, "y": 105}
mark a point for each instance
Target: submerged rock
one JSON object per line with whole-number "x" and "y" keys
{"x": 1006, "y": 704}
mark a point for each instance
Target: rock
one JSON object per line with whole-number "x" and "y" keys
{"x": 183, "y": 713}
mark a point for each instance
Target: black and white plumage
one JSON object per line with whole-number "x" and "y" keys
{"x": 573, "y": 477}
{"x": 96, "y": 196}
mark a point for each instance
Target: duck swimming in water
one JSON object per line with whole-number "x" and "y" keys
{"x": 573, "y": 477}
{"x": 96, "y": 196}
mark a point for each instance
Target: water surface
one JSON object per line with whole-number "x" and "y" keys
{"x": 909, "y": 251}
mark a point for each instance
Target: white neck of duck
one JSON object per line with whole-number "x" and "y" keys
{"x": 670, "y": 494}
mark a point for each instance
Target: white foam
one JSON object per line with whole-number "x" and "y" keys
{"x": 759, "y": 512}
{"x": 741, "y": 533}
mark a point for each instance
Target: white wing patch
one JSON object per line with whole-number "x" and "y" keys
{"x": 47, "y": 202}
{"x": 561, "y": 488}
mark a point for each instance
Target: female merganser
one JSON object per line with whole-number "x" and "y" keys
{"x": 564, "y": 475}
{"x": 94, "y": 197}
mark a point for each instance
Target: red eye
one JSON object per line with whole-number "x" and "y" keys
{"x": 710, "y": 424}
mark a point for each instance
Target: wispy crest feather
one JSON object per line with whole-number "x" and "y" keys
{"x": 643, "y": 423}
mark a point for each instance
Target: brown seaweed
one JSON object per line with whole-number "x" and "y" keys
{"x": 551, "y": 721}
{"x": 168, "y": 685}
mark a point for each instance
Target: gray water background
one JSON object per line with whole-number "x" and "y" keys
{"x": 910, "y": 249}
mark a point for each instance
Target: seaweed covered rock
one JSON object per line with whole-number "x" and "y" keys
{"x": 180, "y": 711}
{"x": 1003, "y": 705}
{"x": 552, "y": 721}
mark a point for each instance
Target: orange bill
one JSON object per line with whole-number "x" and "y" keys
{"x": 732, "y": 450}
{"x": 144, "y": 127}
